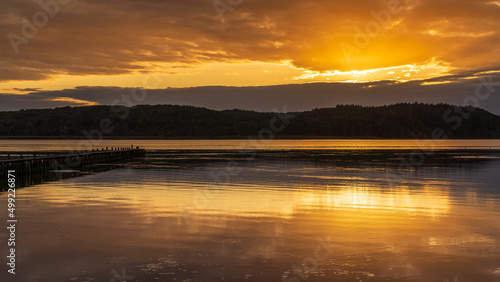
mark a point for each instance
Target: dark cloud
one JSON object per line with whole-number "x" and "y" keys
{"x": 26, "y": 89}
{"x": 460, "y": 91}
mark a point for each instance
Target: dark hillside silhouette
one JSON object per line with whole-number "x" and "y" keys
{"x": 167, "y": 121}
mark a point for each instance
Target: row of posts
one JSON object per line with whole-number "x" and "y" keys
{"x": 86, "y": 151}
{"x": 116, "y": 149}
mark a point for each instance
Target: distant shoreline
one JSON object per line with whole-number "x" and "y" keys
{"x": 402, "y": 121}
{"x": 222, "y": 138}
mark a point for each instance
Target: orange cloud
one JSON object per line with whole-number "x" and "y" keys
{"x": 74, "y": 101}
{"x": 103, "y": 38}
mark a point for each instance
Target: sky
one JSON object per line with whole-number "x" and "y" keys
{"x": 248, "y": 54}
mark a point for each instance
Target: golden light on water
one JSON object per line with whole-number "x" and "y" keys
{"x": 427, "y": 201}
{"x": 272, "y": 215}
{"x": 252, "y": 200}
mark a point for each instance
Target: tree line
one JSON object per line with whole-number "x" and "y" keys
{"x": 402, "y": 120}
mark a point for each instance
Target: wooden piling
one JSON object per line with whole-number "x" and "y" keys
{"x": 30, "y": 171}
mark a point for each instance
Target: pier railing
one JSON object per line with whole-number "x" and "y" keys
{"x": 38, "y": 167}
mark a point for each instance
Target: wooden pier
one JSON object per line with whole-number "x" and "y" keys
{"x": 38, "y": 167}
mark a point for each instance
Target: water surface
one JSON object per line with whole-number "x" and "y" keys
{"x": 306, "y": 144}
{"x": 261, "y": 220}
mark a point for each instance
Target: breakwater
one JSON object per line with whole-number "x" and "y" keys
{"x": 38, "y": 167}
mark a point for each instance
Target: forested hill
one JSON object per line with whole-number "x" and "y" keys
{"x": 394, "y": 121}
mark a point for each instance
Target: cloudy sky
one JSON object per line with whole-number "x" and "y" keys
{"x": 370, "y": 52}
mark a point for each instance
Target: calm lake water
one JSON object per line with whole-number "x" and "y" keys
{"x": 260, "y": 220}
{"x": 36, "y": 145}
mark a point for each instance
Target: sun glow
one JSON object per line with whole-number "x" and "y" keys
{"x": 75, "y": 101}
{"x": 403, "y": 73}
